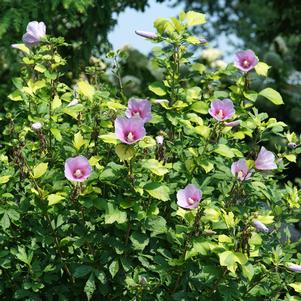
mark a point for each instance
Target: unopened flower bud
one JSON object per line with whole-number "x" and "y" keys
{"x": 74, "y": 102}
{"x": 233, "y": 123}
{"x": 160, "y": 139}
{"x": 146, "y": 34}
{"x": 292, "y": 145}
{"x": 260, "y": 226}
{"x": 143, "y": 280}
{"x": 203, "y": 41}
{"x": 161, "y": 101}
{"x": 294, "y": 267}
{"x": 36, "y": 126}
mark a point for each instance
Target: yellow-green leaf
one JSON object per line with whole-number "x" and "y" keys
{"x": 291, "y": 157}
{"x": 296, "y": 286}
{"x": 154, "y": 166}
{"x": 54, "y": 199}
{"x": 78, "y": 140}
{"x": 85, "y": 89}
{"x": 15, "y": 96}
{"x": 57, "y": 134}
{"x": 272, "y": 95}
{"x": 194, "y": 18}
{"x": 4, "y": 179}
{"x": 109, "y": 138}
{"x": 158, "y": 88}
{"x": 262, "y": 69}
{"x": 124, "y": 152}
{"x": 56, "y": 103}
{"x": 39, "y": 170}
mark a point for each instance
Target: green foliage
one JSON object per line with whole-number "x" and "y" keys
{"x": 120, "y": 235}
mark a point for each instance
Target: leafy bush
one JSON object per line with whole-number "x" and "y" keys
{"x": 176, "y": 214}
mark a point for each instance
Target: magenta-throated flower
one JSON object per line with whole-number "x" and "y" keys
{"x": 240, "y": 170}
{"x": 189, "y": 197}
{"x": 245, "y": 60}
{"x": 139, "y": 108}
{"x": 129, "y": 130}
{"x": 233, "y": 123}
{"x": 294, "y": 267}
{"x": 35, "y": 31}
{"x": 260, "y": 226}
{"x": 77, "y": 169}
{"x": 146, "y": 34}
{"x": 222, "y": 109}
{"x": 265, "y": 160}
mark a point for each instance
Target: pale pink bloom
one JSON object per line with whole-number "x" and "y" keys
{"x": 36, "y": 126}
{"x": 294, "y": 267}
{"x": 222, "y": 109}
{"x": 159, "y": 139}
{"x": 139, "y": 108}
{"x": 35, "y": 31}
{"x": 233, "y": 123}
{"x": 245, "y": 60}
{"x": 146, "y": 34}
{"x": 260, "y": 226}
{"x": 73, "y": 103}
{"x": 241, "y": 170}
{"x": 265, "y": 160}
{"x": 77, "y": 169}
{"x": 189, "y": 197}
{"x": 129, "y": 130}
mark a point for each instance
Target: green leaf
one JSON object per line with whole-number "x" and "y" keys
{"x": 90, "y": 287}
{"x": 114, "y": 215}
{"x": 23, "y": 256}
{"x": 154, "y": 166}
{"x": 56, "y": 103}
{"x": 199, "y": 247}
{"x": 163, "y": 25}
{"x": 272, "y": 95}
{"x": 4, "y": 179}
{"x": 296, "y": 286}
{"x": 139, "y": 240}
{"x": 78, "y": 140}
{"x": 5, "y": 221}
{"x": 194, "y": 18}
{"x": 85, "y": 89}
{"x": 289, "y": 157}
{"x": 15, "y": 96}
{"x": 193, "y": 40}
{"x": 262, "y": 69}
{"x": 200, "y": 107}
{"x": 82, "y": 271}
{"x": 206, "y": 165}
{"x": 229, "y": 260}
{"x": 248, "y": 271}
{"x": 57, "y": 134}
{"x": 39, "y": 170}
{"x": 158, "y": 191}
{"x": 54, "y": 199}
{"x": 114, "y": 268}
{"x": 224, "y": 151}
{"x": 125, "y": 152}
{"x": 73, "y": 111}
{"x": 158, "y": 88}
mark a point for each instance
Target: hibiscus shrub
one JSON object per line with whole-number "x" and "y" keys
{"x": 179, "y": 196}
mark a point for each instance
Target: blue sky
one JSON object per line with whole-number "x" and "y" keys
{"x": 131, "y": 20}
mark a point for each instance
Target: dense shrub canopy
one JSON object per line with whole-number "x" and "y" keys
{"x": 176, "y": 196}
